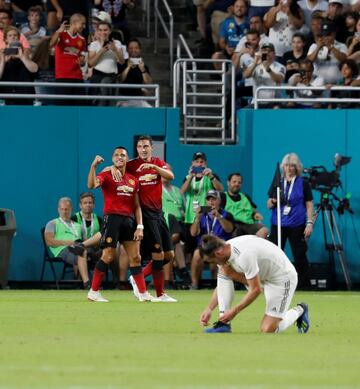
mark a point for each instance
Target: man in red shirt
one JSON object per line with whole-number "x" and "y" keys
{"x": 157, "y": 239}
{"x": 69, "y": 55}
{"x": 121, "y": 204}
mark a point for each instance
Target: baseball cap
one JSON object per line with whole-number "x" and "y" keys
{"x": 327, "y": 28}
{"x": 199, "y": 154}
{"x": 268, "y": 45}
{"x": 103, "y": 16}
{"x": 337, "y": 1}
{"x": 213, "y": 193}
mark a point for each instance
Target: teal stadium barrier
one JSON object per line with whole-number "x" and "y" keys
{"x": 46, "y": 153}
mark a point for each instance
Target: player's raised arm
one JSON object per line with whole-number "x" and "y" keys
{"x": 93, "y": 182}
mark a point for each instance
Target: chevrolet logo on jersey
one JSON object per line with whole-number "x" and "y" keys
{"x": 148, "y": 177}
{"x": 125, "y": 189}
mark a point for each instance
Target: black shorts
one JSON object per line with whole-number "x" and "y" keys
{"x": 117, "y": 228}
{"x": 156, "y": 233}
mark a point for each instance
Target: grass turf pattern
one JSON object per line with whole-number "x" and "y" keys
{"x": 57, "y": 339}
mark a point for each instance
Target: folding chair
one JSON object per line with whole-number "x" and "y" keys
{"x": 47, "y": 258}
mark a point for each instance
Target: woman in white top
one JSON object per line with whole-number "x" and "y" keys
{"x": 104, "y": 56}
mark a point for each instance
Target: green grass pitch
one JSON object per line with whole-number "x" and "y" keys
{"x": 57, "y": 339}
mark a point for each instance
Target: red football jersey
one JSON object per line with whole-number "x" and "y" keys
{"x": 150, "y": 193}
{"x": 119, "y": 197}
{"x": 68, "y": 51}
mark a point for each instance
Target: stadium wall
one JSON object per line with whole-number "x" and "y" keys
{"x": 46, "y": 153}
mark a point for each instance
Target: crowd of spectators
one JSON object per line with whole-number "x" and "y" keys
{"x": 74, "y": 42}
{"x": 269, "y": 40}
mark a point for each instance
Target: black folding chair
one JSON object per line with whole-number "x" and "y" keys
{"x": 67, "y": 268}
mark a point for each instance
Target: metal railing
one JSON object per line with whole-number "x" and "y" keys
{"x": 310, "y": 100}
{"x": 154, "y": 98}
{"x": 169, "y": 31}
{"x": 198, "y": 98}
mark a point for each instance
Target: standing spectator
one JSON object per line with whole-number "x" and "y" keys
{"x": 211, "y": 219}
{"x": 334, "y": 15}
{"x": 315, "y": 29}
{"x": 33, "y": 31}
{"x": 260, "y": 7}
{"x": 16, "y": 67}
{"x": 351, "y": 19}
{"x": 61, "y": 233}
{"x": 354, "y": 42}
{"x": 218, "y": 11}
{"x": 256, "y": 24}
{"x": 135, "y": 72}
{"x": 104, "y": 56}
{"x": 6, "y": 20}
{"x": 283, "y": 21}
{"x": 247, "y": 219}
{"x": 311, "y": 6}
{"x": 61, "y": 10}
{"x": 296, "y": 213}
{"x": 69, "y": 55}
{"x": 327, "y": 53}
{"x": 292, "y": 58}
{"x": 232, "y": 30}
{"x": 122, "y": 222}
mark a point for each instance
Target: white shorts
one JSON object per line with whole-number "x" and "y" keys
{"x": 278, "y": 296}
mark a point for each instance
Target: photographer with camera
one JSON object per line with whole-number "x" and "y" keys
{"x": 210, "y": 219}
{"x": 135, "y": 72}
{"x": 296, "y": 210}
{"x": 15, "y": 65}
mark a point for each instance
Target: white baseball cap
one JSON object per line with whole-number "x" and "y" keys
{"x": 337, "y": 1}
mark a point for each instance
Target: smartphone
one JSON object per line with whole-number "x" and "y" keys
{"x": 247, "y": 45}
{"x": 11, "y": 51}
{"x": 135, "y": 61}
{"x": 106, "y": 43}
{"x": 264, "y": 57}
{"x": 198, "y": 169}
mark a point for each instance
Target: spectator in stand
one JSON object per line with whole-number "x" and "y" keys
{"x": 5, "y": 4}
{"x": 135, "y": 72}
{"x": 6, "y": 21}
{"x": 315, "y": 29}
{"x": 304, "y": 77}
{"x": 117, "y": 9}
{"x": 247, "y": 219}
{"x": 334, "y": 14}
{"x": 260, "y": 7}
{"x": 104, "y": 56}
{"x": 292, "y": 58}
{"x": 283, "y": 21}
{"x": 61, "y": 233}
{"x": 15, "y": 65}
{"x": 62, "y": 10}
{"x": 351, "y": 20}
{"x": 69, "y": 55}
{"x": 296, "y": 214}
{"x": 311, "y": 6}
{"x": 218, "y": 11}
{"x": 211, "y": 219}
{"x": 20, "y": 9}
{"x": 354, "y": 42}
{"x": 33, "y": 31}
{"x": 232, "y": 30}
{"x": 327, "y": 53}
{"x": 265, "y": 71}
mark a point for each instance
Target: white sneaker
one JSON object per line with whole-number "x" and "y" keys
{"x": 164, "y": 298}
{"x": 146, "y": 296}
{"x": 96, "y": 296}
{"x": 134, "y": 286}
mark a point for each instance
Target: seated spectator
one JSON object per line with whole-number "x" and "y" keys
{"x": 232, "y": 30}
{"x": 354, "y": 42}
{"x": 15, "y": 65}
{"x": 6, "y": 21}
{"x": 21, "y": 8}
{"x": 310, "y": 6}
{"x": 104, "y": 56}
{"x": 62, "y": 10}
{"x": 69, "y": 55}
{"x": 134, "y": 72}
{"x": 61, "y": 233}
{"x": 305, "y": 77}
{"x": 211, "y": 219}
{"x": 246, "y": 217}
{"x": 265, "y": 72}
{"x": 33, "y": 31}
{"x": 292, "y": 58}
{"x": 117, "y": 9}
{"x": 327, "y": 53}
{"x": 283, "y": 21}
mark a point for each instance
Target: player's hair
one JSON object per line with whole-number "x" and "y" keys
{"x": 121, "y": 147}
{"x": 65, "y": 199}
{"x": 210, "y": 243}
{"x": 144, "y": 137}
{"x": 86, "y": 194}
{"x": 76, "y": 17}
{"x": 230, "y": 176}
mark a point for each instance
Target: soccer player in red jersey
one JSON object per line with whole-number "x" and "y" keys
{"x": 121, "y": 204}
{"x": 157, "y": 240}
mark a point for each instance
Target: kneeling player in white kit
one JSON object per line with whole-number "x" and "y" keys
{"x": 260, "y": 265}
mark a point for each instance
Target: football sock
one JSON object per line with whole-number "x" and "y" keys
{"x": 290, "y": 317}
{"x": 225, "y": 293}
{"x": 158, "y": 277}
{"x": 138, "y": 276}
{"x": 147, "y": 270}
{"x": 99, "y": 273}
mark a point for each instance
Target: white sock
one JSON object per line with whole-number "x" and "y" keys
{"x": 290, "y": 317}
{"x": 225, "y": 293}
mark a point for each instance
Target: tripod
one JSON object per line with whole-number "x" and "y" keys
{"x": 335, "y": 246}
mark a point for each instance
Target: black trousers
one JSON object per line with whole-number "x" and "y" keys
{"x": 298, "y": 245}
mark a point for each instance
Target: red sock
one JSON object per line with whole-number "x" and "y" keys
{"x": 147, "y": 270}
{"x": 158, "y": 277}
{"x": 97, "y": 279}
{"x": 140, "y": 282}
